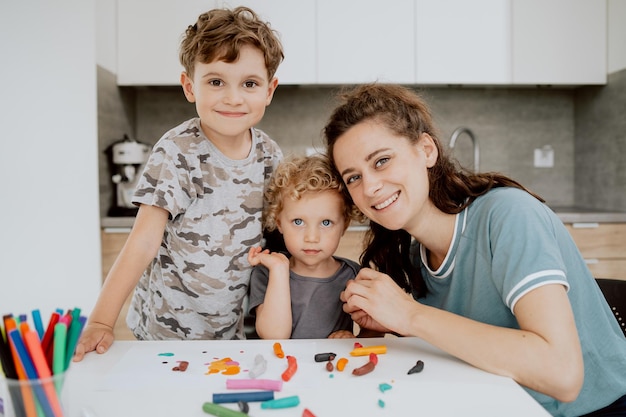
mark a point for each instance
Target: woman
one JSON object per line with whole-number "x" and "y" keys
{"x": 473, "y": 263}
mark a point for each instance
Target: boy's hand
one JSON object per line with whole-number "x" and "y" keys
{"x": 96, "y": 336}
{"x": 341, "y": 334}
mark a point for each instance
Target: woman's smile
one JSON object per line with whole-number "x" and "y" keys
{"x": 387, "y": 202}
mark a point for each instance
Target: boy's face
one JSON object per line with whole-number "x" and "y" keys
{"x": 230, "y": 97}
{"x": 312, "y": 228}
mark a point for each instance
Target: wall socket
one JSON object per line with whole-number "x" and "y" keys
{"x": 544, "y": 157}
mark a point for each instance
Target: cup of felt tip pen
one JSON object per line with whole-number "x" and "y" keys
{"x": 34, "y": 367}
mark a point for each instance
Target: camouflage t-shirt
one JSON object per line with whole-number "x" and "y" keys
{"x": 195, "y": 286}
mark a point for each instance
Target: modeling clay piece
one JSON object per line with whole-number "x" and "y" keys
{"x": 249, "y": 396}
{"x": 384, "y": 387}
{"x": 381, "y": 403}
{"x": 365, "y": 369}
{"x": 292, "y": 367}
{"x": 366, "y": 350}
{"x": 374, "y": 358}
{"x": 278, "y": 350}
{"x": 219, "y": 411}
{"x": 329, "y": 366}
{"x": 259, "y": 367}
{"x": 357, "y": 345}
{"x": 323, "y": 357}
{"x": 419, "y": 366}
{"x": 341, "y": 364}
{"x": 243, "y": 406}
{"x": 286, "y": 402}
{"x": 307, "y": 413}
{"x": 264, "y": 384}
{"x": 182, "y": 366}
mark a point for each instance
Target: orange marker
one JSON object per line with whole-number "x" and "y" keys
{"x": 278, "y": 350}
{"x": 31, "y": 340}
{"x": 366, "y": 350}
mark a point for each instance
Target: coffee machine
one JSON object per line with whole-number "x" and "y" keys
{"x": 127, "y": 157}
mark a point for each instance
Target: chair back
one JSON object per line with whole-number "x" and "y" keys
{"x": 614, "y": 291}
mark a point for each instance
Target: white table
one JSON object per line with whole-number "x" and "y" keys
{"x": 135, "y": 379}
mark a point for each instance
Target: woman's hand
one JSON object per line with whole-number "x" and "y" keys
{"x": 376, "y": 302}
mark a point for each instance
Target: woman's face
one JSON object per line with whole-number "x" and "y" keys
{"x": 386, "y": 174}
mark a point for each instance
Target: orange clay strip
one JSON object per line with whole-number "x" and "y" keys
{"x": 366, "y": 350}
{"x": 341, "y": 364}
{"x": 292, "y": 367}
{"x": 365, "y": 369}
{"x": 278, "y": 350}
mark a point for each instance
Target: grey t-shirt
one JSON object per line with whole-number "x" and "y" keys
{"x": 315, "y": 305}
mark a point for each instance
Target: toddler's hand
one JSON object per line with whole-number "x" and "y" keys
{"x": 341, "y": 334}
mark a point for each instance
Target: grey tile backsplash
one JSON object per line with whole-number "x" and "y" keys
{"x": 586, "y": 127}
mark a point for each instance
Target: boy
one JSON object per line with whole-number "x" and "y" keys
{"x": 297, "y": 296}
{"x": 201, "y": 195}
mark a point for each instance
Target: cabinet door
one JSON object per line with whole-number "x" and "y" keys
{"x": 603, "y": 245}
{"x": 149, "y": 34}
{"x": 463, "y": 42}
{"x": 295, "y": 23}
{"x": 559, "y": 42}
{"x": 365, "y": 41}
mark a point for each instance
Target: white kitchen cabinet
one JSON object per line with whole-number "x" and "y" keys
{"x": 148, "y": 37}
{"x": 295, "y": 23}
{"x": 150, "y": 31}
{"x": 426, "y": 42}
{"x": 463, "y": 42}
{"x": 559, "y": 42}
{"x": 365, "y": 41}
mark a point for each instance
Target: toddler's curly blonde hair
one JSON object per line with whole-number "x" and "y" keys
{"x": 305, "y": 174}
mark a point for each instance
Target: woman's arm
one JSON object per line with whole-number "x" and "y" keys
{"x": 545, "y": 355}
{"x": 273, "y": 316}
{"x": 140, "y": 248}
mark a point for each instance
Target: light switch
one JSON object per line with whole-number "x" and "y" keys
{"x": 544, "y": 157}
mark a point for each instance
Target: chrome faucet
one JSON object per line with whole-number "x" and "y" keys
{"x": 457, "y": 133}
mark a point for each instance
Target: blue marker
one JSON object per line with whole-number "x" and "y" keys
{"x": 243, "y": 396}
{"x": 38, "y": 323}
{"x": 31, "y": 372}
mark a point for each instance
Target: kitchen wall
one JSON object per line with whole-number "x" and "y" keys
{"x": 585, "y": 126}
{"x": 508, "y": 124}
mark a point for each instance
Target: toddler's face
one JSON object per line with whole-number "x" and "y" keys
{"x": 312, "y": 226}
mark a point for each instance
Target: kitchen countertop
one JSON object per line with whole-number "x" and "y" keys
{"x": 566, "y": 214}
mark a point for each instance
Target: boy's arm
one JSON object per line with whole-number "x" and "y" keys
{"x": 273, "y": 317}
{"x": 140, "y": 248}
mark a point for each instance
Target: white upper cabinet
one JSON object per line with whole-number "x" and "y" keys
{"x": 426, "y": 42}
{"x": 295, "y": 23}
{"x": 148, "y": 36}
{"x": 463, "y": 42}
{"x": 365, "y": 40}
{"x": 559, "y": 42}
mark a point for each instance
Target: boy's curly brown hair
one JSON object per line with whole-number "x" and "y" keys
{"x": 219, "y": 34}
{"x": 305, "y": 174}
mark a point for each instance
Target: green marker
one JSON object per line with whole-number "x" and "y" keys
{"x": 286, "y": 402}
{"x": 73, "y": 332}
{"x": 58, "y": 348}
{"x": 219, "y": 411}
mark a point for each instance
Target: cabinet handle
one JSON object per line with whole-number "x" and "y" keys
{"x": 585, "y": 225}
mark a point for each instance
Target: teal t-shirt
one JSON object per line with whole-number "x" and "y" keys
{"x": 506, "y": 244}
